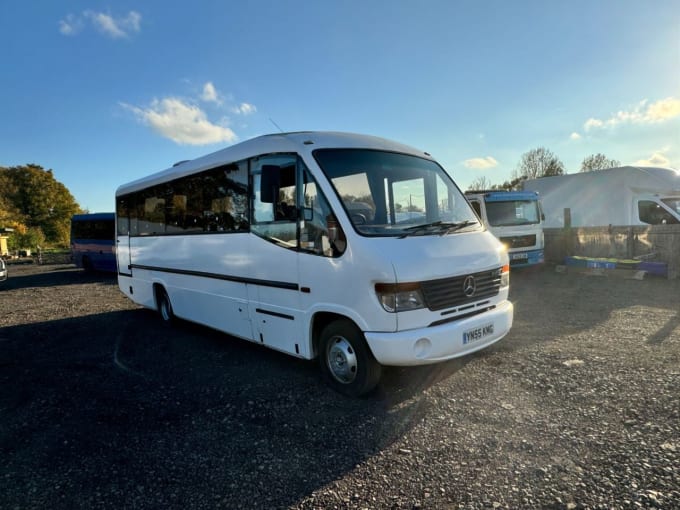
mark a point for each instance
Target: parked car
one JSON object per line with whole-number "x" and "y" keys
{"x": 3, "y": 270}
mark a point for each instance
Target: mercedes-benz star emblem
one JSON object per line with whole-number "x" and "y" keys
{"x": 469, "y": 286}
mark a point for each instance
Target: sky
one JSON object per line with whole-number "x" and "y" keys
{"x": 104, "y": 93}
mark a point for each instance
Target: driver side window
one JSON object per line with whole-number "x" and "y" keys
{"x": 288, "y": 203}
{"x": 274, "y": 199}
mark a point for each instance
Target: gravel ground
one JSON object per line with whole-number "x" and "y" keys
{"x": 101, "y": 406}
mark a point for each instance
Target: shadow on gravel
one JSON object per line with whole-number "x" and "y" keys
{"x": 663, "y": 333}
{"x": 116, "y": 410}
{"x": 550, "y": 304}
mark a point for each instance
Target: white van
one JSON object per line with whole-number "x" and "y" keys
{"x": 352, "y": 249}
{"x": 622, "y": 196}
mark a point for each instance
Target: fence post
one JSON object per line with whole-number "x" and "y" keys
{"x": 630, "y": 243}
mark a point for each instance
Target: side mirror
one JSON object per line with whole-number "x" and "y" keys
{"x": 307, "y": 213}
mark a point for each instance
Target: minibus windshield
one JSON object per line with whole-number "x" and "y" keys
{"x": 393, "y": 194}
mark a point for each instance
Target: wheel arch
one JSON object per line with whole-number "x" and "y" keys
{"x": 319, "y": 321}
{"x": 157, "y": 287}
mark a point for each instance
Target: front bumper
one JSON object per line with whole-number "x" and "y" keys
{"x": 439, "y": 343}
{"x": 526, "y": 258}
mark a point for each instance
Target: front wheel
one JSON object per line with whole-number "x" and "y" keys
{"x": 346, "y": 361}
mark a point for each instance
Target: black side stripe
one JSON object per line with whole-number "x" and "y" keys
{"x": 218, "y": 276}
{"x": 275, "y": 314}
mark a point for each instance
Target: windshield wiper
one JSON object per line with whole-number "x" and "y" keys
{"x": 436, "y": 227}
{"x": 420, "y": 229}
{"x": 452, "y": 227}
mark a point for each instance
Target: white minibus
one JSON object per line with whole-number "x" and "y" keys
{"x": 352, "y": 249}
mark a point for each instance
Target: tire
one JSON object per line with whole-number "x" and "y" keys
{"x": 164, "y": 306}
{"x": 87, "y": 264}
{"x": 346, "y": 362}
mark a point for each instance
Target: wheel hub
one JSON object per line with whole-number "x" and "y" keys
{"x": 342, "y": 360}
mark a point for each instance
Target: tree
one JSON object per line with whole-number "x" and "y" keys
{"x": 514, "y": 184}
{"x": 537, "y": 163}
{"x": 8, "y": 213}
{"x": 479, "y": 184}
{"x": 598, "y": 162}
{"x": 32, "y": 196}
{"x": 23, "y": 237}
{"x": 482, "y": 183}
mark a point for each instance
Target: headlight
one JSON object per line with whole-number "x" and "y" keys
{"x": 399, "y": 297}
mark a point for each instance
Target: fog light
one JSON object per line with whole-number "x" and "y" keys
{"x": 422, "y": 347}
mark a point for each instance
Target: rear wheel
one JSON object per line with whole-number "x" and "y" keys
{"x": 346, "y": 361}
{"x": 164, "y": 306}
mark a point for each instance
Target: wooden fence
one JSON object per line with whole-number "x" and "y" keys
{"x": 654, "y": 243}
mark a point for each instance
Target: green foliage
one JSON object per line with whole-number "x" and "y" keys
{"x": 30, "y": 196}
{"x": 30, "y": 239}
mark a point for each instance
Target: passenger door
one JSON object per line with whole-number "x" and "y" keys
{"x": 122, "y": 245}
{"x": 274, "y": 294}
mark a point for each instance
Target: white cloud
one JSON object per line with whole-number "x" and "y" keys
{"x": 181, "y": 122}
{"x": 658, "y": 158}
{"x": 244, "y": 109}
{"x": 116, "y": 28}
{"x": 480, "y": 163}
{"x": 210, "y": 94}
{"x": 71, "y": 25}
{"x": 642, "y": 113}
{"x": 592, "y": 123}
{"x": 575, "y": 136}
{"x": 664, "y": 109}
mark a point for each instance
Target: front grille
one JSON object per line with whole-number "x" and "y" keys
{"x": 448, "y": 292}
{"x": 519, "y": 241}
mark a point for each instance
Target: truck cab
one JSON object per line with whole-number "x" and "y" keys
{"x": 516, "y": 219}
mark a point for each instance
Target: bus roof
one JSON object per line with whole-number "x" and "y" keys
{"x": 297, "y": 142}
{"x": 93, "y": 216}
{"x": 504, "y": 196}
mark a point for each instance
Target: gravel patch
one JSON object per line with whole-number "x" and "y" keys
{"x": 102, "y": 406}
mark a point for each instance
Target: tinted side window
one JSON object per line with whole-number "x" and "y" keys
{"x": 652, "y": 213}
{"x": 123, "y": 215}
{"x": 215, "y": 200}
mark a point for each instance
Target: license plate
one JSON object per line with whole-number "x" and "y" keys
{"x": 518, "y": 256}
{"x": 474, "y": 335}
